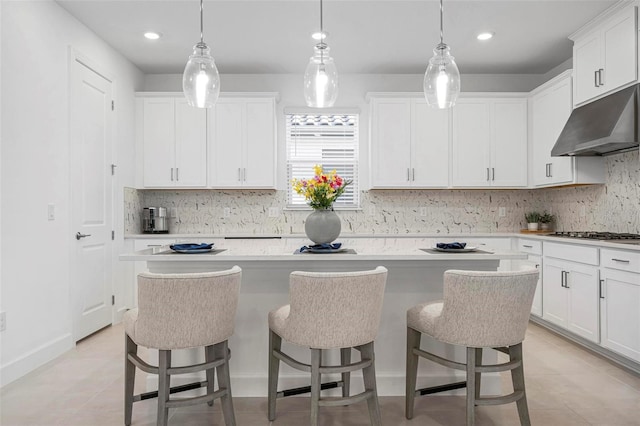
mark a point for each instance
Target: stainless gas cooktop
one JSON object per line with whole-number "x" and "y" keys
{"x": 612, "y": 237}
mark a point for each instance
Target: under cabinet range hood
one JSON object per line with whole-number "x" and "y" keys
{"x": 606, "y": 126}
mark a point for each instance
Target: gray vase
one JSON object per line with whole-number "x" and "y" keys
{"x": 322, "y": 226}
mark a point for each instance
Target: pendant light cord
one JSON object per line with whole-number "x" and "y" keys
{"x": 201, "y": 22}
{"x": 321, "y": 37}
{"x": 441, "y": 30}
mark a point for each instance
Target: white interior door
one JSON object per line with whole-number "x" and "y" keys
{"x": 91, "y": 200}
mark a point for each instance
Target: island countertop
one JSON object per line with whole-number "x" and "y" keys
{"x": 285, "y": 249}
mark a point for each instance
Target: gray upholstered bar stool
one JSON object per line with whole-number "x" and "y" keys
{"x": 479, "y": 310}
{"x": 179, "y": 311}
{"x": 334, "y": 310}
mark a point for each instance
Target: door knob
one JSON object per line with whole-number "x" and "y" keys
{"x": 79, "y": 235}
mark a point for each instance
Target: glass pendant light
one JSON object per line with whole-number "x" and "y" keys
{"x": 321, "y": 75}
{"x": 442, "y": 78}
{"x": 201, "y": 80}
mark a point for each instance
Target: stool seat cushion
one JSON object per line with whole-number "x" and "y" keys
{"x": 179, "y": 311}
{"x": 331, "y": 310}
{"x": 480, "y": 309}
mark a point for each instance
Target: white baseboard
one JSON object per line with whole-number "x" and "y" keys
{"x": 30, "y": 361}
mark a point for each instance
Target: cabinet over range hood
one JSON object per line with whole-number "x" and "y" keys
{"x": 606, "y": 126}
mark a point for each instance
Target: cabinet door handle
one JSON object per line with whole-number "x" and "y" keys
{"x": 493, "y": 173}
{"x": 537, "y": 266}
{"x": 244, "y": 175}
{"x": 177, "y": 174}
{"x": 595, "y": 78}
{"x": 408, "y": 174}
{"x": 600, "y": 79}
{"x": 566, "y": 279}
{"x": 488, "y": 174}
{"x": 620, "y": 260}
{"x": 413, "y": 174}
{"x": 239, "y": 175}
{"x": 600, "y": 289}
{"x": 172, "y": 174}
{"x": 561, "y": 278}
{"x": 550, "y": 170}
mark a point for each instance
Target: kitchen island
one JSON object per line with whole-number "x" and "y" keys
{"x": 415, "y": 276}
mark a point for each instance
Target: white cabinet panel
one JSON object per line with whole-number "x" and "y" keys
{"x": 471, "y": 143}
{"x": 243, "y": 143}
{"x": 605, "y": 54}
{"x": 509, "y": 143}
{"x": 490, "y": 142}
{"x": 409, "y": 143}
{"x": 429, "y": 145}
{"x": 570, "y": 290}
{"x": 620, "y": 308}
{"x": 174, "y": 143}
{"x": 551, "y": 107}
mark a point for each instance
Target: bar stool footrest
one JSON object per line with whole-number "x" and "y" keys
{"x": 441, "y": 388}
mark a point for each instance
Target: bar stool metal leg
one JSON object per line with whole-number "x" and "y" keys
{"x": 478, "y": 375}
{"x": 129, "y": 378}
{"x": 275, "y": 343}
{"x": 164, "y": 363}
{"x": 369, "y": 376}
{"x": 345, "y": 359}
{"x": 517, "y": 378}
{"x": 471, "y": 385}
{"x": 221, "y": 351}
{"x": 209, "y": 356}
{"x": 413, "y": 342}
{"x": 316, "y": 360}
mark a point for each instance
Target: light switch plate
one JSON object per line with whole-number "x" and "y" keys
{"x": 226, "y": 212}
{"x": 274, "y": 212}
{"x": 51, "y": 212}
{"x": 502, "y": 211}
{"x": 423, "y": 211}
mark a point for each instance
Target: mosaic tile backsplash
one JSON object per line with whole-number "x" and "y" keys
{"x": 613, "y": 207}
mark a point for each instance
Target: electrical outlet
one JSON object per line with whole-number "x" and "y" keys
{"x": 274, "y": 212}
{"x": 423, "y": 211}
{"x": 3, "y": 321}
{"x": 51, "y": 211}
{"x": 174, "y": 212}
{"x": 502, "y": 211}
{"x": 226, "y": 212}
{"x": 372, "y": 211}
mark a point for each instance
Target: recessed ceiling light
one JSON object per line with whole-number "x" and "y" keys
{"x": 485, "y": 36}
{"x": 319, "y": 35}
{"x": 151, "y": 35}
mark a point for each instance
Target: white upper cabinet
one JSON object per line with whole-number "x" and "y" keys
{"x": 174, "y": 143}
{"x": 605, "y": 53}
{"x": 490, "y": 142}
{"x": 550, "y": 107}
{"x": 243, "y": 143}
{"x": 409, "y": 143}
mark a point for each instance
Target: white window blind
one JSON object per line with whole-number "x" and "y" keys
{"x": 330, "y": 140}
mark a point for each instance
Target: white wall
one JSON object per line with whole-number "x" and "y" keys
{"x": 35, "y": 274}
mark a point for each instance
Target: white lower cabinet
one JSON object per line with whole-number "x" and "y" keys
{"x": 620, "y": 302}
{"x": 533, "y": 249}
{"x": 571, "y": 289}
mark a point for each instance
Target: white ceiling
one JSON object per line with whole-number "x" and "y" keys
{"x": 391, "y": 36}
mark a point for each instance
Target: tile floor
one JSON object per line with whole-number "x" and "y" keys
{"x": 566, "y": 386}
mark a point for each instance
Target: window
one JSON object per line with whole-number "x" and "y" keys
{"x": 330, "y": 140}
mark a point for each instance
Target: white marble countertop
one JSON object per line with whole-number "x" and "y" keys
{"x": 431, "y": 238}
{"x": 374, "y": 249}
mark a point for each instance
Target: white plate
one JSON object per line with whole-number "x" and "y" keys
{"x": 464, "y": 250}
{"x": 326, "y": 250}
{"x": 190, "y": 251}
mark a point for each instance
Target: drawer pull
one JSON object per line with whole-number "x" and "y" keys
{"x": 524, "y": 245}
{"x": 620, "y": 260}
